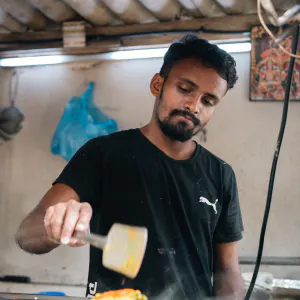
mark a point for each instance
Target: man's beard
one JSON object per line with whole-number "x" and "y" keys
{"x": 180, "y": 131}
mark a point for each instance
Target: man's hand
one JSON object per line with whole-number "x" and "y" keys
{"x": 54, "y": 221}
{"x": 62, "y": 220}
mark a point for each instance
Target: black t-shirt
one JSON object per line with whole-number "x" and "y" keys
{"x": 187, "y": 206}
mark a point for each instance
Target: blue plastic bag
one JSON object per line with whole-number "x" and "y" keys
{"x": 80, "y": 122}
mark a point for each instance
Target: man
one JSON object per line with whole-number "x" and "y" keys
{"x": 156, "y": 177}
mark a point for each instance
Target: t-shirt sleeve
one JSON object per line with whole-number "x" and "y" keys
{"x": 230, "y": 224}
{"x": 83, "y": 173}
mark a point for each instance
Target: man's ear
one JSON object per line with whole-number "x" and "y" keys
{"x": 156, "y": 85}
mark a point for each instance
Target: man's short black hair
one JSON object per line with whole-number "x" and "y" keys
{"x": 191, "y": 46}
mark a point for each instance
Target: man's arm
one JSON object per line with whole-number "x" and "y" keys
{"x": 227, "y": 277}
{"x": 53, "y": 220}
{"x": 67, "y": 206}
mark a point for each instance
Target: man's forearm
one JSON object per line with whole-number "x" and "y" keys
{"x": 228, "y": 283}
{"x": 32, "y": 236}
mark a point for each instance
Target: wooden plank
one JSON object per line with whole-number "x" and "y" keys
{"x": 55, "y": 51}
{"x": 227, "y": 23}
{"x": 56, "y": 48}
{"x": 285, "y": 293}
{"x": 108, "y": 44}
{"x": 123, "y": 42}
{"x": 167, "y": 39}
{"x": 33, "y": 36}
{"x": 74, "y": 34}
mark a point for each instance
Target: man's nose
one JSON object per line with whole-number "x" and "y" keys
{"x": 193, "y": 104}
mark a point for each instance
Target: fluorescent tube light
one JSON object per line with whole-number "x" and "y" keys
{"x": 116, "y": 55}
{"x": 236, "y": 47}
{"x": 31, "y": 61}
{"x": 138, "y": 54}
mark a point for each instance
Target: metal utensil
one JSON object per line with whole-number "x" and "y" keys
{"x": 11, "y": 117}
{"x": 123, "y": 248}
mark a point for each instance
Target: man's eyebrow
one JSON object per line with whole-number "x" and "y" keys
{"x": 189, "y": 82}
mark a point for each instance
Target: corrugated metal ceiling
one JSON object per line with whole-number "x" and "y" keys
{"x": 37, "y": 25}
{"x": 24, "y": 15}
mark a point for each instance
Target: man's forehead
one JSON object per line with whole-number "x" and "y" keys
{"x": 188, "y": 66}
{"x": 195, "y": 71}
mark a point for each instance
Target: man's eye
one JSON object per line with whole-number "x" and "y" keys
{"x": 184, "y": 91}
{"x": 208, "y": 102}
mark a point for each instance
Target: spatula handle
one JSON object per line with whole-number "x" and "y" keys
{"x": 95, "y": 240}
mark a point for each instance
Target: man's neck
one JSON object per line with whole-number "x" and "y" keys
{"x": 174, "y": 149}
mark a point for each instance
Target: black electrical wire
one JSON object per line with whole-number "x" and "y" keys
{"x": 275, "y": 159}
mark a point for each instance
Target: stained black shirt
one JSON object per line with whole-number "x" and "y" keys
{"x": 187, "y": 206}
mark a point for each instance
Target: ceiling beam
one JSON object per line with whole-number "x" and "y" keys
{"x": 163, "y": 10}
{"x": 94, "y": 12}
{"x": 131, "y": 12}
{"x": 55, "y": 10}
{"x": 238, "y": 6}
{"x": 190, "y": 6}
{"x": 222, "y": 24}
{"x": 10, "y": 23}
{"x": 167, "y": 39}
{"x": 209, "y": 8}
{"x": 23, "y": 12}
{"x": 107, "y": 45}
{"x": 3, "y": 30}
{"x": 56, "y": 48}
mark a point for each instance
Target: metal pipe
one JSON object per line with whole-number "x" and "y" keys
{"x": 271, "y": 261}
{"x": 285, "y": 34}
{"x": 288, "y": 15}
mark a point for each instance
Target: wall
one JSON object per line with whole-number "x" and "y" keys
{"x": 243, "y": 133}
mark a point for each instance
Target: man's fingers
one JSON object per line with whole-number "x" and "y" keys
{"x": 76, "y": 243}
{"x": 47, "y": 220}
{"x": 57, "y": 221}
{"x": 71, "y": 219}
{"x": 84, "y": 217}
{"x": 73, "y": 242}
{"x": 63, "y": 219}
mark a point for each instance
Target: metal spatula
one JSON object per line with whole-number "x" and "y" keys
{"x": 123, "y": 248}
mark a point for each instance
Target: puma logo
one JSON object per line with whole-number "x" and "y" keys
{"x": 92, "y": 289}
{"x": 214, "y": 205}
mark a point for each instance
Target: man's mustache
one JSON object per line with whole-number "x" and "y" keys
{"x": 185, "y": 113}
